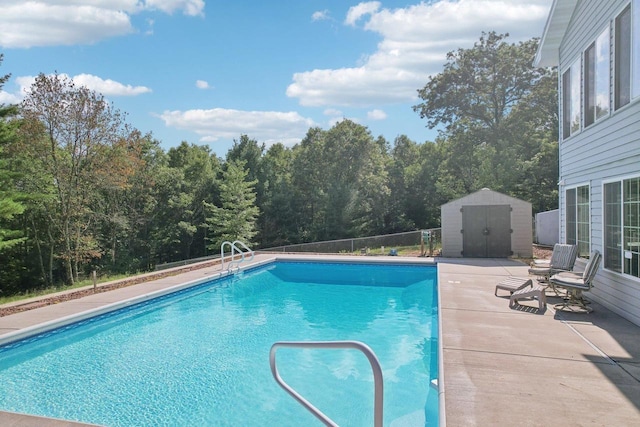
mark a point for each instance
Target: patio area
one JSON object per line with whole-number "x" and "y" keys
{"x": 513, "y": 367}
{"x": 501, "y": 366}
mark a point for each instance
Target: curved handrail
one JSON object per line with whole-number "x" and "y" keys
{"x": 226, "y": 242}
{"x": 234, "y": 248}
{"x": 245, "y": 247}
{"x": 356, "y": 345}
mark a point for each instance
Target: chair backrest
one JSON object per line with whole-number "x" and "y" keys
{"x": 591, "y": 268}
{"x": 555, "y": 254}
{"x": 563, "y": 256}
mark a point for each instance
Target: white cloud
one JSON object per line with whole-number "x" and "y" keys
{"x": 149, "y": 30}
{"x": 28, "y": 24}
{"x": 320, "y": 15}
{"x": 219, "y": 123}
{"x": 106, "y": 87}
{"x": 376, "y": 115}
{"x": 24, "y": 83}
{"x": 335, "y": 116}
{"x": 332, "y": 112}
{"x": 201, "y": 84}
{"x": 360, "y": 10}
{"x": 354, "y": 86}
{"x": 7, "y": 98}
{"x": 25, "y": 24}
{"x": 188, "y": 7}
{"x": 415, "y": 41}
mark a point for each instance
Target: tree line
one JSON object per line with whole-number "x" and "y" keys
{"x": 80, "y": 189}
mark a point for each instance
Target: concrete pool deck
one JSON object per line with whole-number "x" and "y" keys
{"x": 501, "y": 366}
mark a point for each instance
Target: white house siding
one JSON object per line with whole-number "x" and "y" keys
{"x": 546, "y": 229}
{"x": 521, "y": 222}
{"x": 608, "y": 149}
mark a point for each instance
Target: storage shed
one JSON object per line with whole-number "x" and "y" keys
{"x": 487, "y": 224}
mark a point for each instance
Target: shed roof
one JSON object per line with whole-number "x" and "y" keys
{"x": 554, "y": 31}
{"x": 489, "y": 194}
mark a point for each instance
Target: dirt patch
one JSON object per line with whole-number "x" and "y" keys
{"x": 542, "y": 252}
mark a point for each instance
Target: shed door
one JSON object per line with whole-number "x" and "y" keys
{"x": 486, "y": 231}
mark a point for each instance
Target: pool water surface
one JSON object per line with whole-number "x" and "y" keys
{"x": 201, "y": 356}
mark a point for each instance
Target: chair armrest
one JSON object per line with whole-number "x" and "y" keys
{"x": 566, "y": 281}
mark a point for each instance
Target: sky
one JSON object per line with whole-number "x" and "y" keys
{"x": 207, "y": 72}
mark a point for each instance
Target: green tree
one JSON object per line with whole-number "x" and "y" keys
{"x": 236, "y": 216}
{"x": 276, "y": 223}
{"x": 124, "y": 211}
{"x": 200, "y": 185}
{"x": 402, "y": 165}
{"x": 71, "y": 135}
{"x": 340, "y": 183}
{"x": 535, "y": 120}
{"x": 10, "y": 201}
{"x": 498, "y": 115}
{"x": 309, "y": 183}
{"x": 10, "y": 204}
{"x": 371, "y": 193}
{"x": 480, "y": 85}
{"x": 250, "y": 152}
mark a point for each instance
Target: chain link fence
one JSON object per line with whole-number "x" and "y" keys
{"x": 425, "y": 239}
{"x": 428, "y": 241}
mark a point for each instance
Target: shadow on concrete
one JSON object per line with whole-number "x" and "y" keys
{"x": 526, "y": 308}
{"x": 617, "y": 339}
{"x": 529, "y": 308}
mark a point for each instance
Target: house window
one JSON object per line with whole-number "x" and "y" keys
{"x": 578, "y": 219}
{"x": 571, "y": 100}
{"x": 622, "y": 226}
{"x": 566, "y": 104}
{"x": 613, "y": 226}
{"x": 636, "y": 48}
{"x": 623, "y": 58}
{"x": 596, "y": 79}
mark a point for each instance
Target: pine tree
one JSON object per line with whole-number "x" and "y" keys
{"x": 236, "y": 217}
{"x": 10, "y": 205}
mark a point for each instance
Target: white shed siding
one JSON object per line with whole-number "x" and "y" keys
{"x": 521, "y": 222}
{"x": 451, "y": 223}
{"x": 608, "y": 149}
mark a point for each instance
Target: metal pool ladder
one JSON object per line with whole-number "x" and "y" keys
{"x": 235, "y": 250}
{"x": 356, "y": 345}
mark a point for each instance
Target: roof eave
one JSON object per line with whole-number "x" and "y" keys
{"x": 548, "y": 54}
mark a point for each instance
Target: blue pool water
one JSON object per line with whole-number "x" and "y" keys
{"x": 201, "y": 356}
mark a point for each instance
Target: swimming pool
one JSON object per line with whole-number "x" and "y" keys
{"x": 200, "y": 356}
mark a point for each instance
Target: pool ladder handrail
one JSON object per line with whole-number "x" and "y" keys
{"x": 356, "y": 345}
{"x": 235, "y": 249}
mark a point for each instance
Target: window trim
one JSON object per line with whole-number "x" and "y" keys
{"x": 635, "y": 49}
{"x": 619, "y": 180}
{"x": 577, "y": 62}
{"x": 564, "y": 207}
{"x": 566, "y": 124}
{"x": 616, "y": 79}
{"x": 606, "y": 29}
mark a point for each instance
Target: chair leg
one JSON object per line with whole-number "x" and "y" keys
{"x": 536, "y": 292}
{"x": 542, "y": 299}
{"x": 542, "y": 279}
{"x": 555, "y": 290}
{"x": 574, "y": 300}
